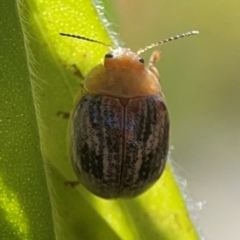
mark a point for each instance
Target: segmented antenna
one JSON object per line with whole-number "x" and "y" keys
{"x": 141, "y": 50}
{"x": 86, "y": 39}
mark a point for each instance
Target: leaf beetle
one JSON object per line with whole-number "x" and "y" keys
{"x": 119, "y": 132}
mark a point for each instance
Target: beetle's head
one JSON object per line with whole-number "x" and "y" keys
{"x": 123, "y": 58}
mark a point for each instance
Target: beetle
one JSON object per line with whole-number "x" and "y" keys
{"x": 119, "y": 134}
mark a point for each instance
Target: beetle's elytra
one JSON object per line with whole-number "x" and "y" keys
{"x": 120, "y": 125}
{"x": 120, "y": 145}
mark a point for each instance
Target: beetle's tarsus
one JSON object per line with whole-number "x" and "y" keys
{"x": 72, "y": 184}
{"x": 64, "y": 115}
{"x": 156, "y": 55}
{"x": 77, "y": 72}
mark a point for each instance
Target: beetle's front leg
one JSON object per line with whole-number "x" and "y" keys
{"x": 156, "y": 55}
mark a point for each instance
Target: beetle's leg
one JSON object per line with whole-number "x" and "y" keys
{"x": 64, "y": 115}
{"x": 77, "y": 72}
{"x": 156, "y": 55}
{"x": 72, "y": 183}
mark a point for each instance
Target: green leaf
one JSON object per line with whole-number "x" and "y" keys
{"x": 160, "y": 213}
{"x": 25, "y": 210}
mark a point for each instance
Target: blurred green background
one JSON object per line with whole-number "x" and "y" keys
{"x": 201, "y": 81}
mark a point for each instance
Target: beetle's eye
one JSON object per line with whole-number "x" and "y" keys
{"x": 109, "y": 55}
{"x": 141, "y": 60}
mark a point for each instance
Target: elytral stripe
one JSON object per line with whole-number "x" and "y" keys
{"x": 120, "y": 149}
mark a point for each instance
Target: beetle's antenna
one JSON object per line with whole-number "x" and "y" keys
{"x": 141, "y": 50}
{"x": 86, "y": 39}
